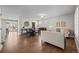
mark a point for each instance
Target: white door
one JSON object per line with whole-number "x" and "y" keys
{"x": 77, "y": 28}
{"x": 0, "y": 29}
{"x": 0, "y": 34}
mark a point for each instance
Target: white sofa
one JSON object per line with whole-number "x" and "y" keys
{"x": 55, "y": 38}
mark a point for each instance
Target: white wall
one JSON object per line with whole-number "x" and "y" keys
{"x": 9, "y": 13}
{"x": 23, "y": 19}
{"x": 0, "y": 34}
{"x": 50, "y": 21}
{"x": 77, "y": 27}
{"x": 0, "y": 29}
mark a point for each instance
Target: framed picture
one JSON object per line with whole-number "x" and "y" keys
{"x": 26, "y": 23}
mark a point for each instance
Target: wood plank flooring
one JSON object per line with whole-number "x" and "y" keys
{"x": 24, "y": 44}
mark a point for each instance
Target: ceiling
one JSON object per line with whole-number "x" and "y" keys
{"x": 36, "y": 10}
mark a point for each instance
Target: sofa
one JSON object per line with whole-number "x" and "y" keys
{"x": 54, "y": 38}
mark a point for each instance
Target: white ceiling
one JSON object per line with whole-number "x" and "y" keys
{"x": 35, "y": 10}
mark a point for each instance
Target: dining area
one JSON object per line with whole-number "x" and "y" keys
{"x": 27, "y": 31}
{"x": 31, "y": 29}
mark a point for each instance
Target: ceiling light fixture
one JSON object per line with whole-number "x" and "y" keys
{"x": 42, "y": 15}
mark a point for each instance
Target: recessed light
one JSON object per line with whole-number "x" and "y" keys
{"x": 42, "y": 15}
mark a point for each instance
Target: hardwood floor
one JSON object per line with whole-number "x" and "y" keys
{"x": 21, "y": 44}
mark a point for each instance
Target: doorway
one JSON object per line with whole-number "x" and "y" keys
{"x": 8, "y": 26}
{"x": 33, "y": 25}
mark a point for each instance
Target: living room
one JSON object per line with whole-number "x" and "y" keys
{"x": 40, "y": 28}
